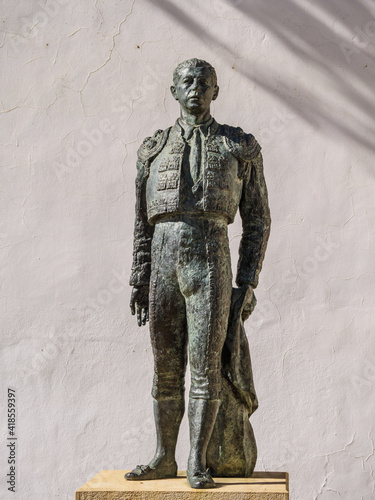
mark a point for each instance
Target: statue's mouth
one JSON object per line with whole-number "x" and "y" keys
{"x": 195, "y": 101}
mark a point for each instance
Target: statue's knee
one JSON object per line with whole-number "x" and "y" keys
{"x": 168, "y": 385}
{"x": 205, "y": 385}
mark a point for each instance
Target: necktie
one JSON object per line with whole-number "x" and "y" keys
{"x": 195, "y": 154}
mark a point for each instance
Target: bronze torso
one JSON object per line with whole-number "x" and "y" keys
{"x": 226, "y": 156}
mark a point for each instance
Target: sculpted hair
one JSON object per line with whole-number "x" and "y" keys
{"x": 194, "y": 63}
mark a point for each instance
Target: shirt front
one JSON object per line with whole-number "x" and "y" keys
{"x": 193, "y": 160}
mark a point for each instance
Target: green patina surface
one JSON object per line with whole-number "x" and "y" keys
{"x": 192, "y": 179}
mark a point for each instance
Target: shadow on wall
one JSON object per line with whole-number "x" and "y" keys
{"x": 336, "y": 39}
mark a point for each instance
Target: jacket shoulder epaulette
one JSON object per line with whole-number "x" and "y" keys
{"x": 243, "y": 146}
{"x": 152, "y": 146}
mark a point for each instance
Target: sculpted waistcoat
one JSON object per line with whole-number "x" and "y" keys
{"x": 225, "y": 159}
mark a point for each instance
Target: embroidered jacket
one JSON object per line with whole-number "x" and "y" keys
{"x": 231, "y": 179}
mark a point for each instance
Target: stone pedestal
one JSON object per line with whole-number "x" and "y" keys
{"x": 111, "y": 485}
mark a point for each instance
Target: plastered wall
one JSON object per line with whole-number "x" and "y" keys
{"x": 82, "y": 84}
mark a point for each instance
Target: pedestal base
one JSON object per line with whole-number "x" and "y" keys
{"x": 111, "y": 485}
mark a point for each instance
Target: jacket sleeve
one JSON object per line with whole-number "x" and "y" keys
{"x": 143, "y": 232}
{"x": 256, "y": 221}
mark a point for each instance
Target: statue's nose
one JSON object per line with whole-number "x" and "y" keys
{"x": 195, "y": 84}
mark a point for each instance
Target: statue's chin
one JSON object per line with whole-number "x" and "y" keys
{"x": 196, "y": 108}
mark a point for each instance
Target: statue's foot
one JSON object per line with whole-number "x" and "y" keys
{"x": 146, "y": 472}
{"x": 201, "y": 480}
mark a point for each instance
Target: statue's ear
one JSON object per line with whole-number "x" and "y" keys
{"x": 174, "y": 92}
{"x": 216, "y": 93}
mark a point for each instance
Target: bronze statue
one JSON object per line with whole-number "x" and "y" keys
{"x": 192, "y": 178}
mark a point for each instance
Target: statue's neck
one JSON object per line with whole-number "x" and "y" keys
{"x": 194, "y": 120}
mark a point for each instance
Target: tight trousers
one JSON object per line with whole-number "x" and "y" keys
{"x": 190, "y": 293}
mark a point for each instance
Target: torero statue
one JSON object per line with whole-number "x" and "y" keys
{"x": 192, "y": 178}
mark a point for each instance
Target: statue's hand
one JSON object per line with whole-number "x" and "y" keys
{"x": 139, "y": 302}
{"x": 249, "y": 306}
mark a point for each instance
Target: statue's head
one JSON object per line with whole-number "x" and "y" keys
{"x": 194, "y": 63}
{"x": 195, "y": 85}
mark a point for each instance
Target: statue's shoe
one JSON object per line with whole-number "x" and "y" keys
{"x": 201, "y": 480}
{"x": 145, "y": 472}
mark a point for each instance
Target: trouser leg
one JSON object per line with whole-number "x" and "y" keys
{"x": 168, "y": 338}
{"x": 206, "y": 280}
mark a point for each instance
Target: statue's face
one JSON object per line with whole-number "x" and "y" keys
{"x": 195, "y": 90}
